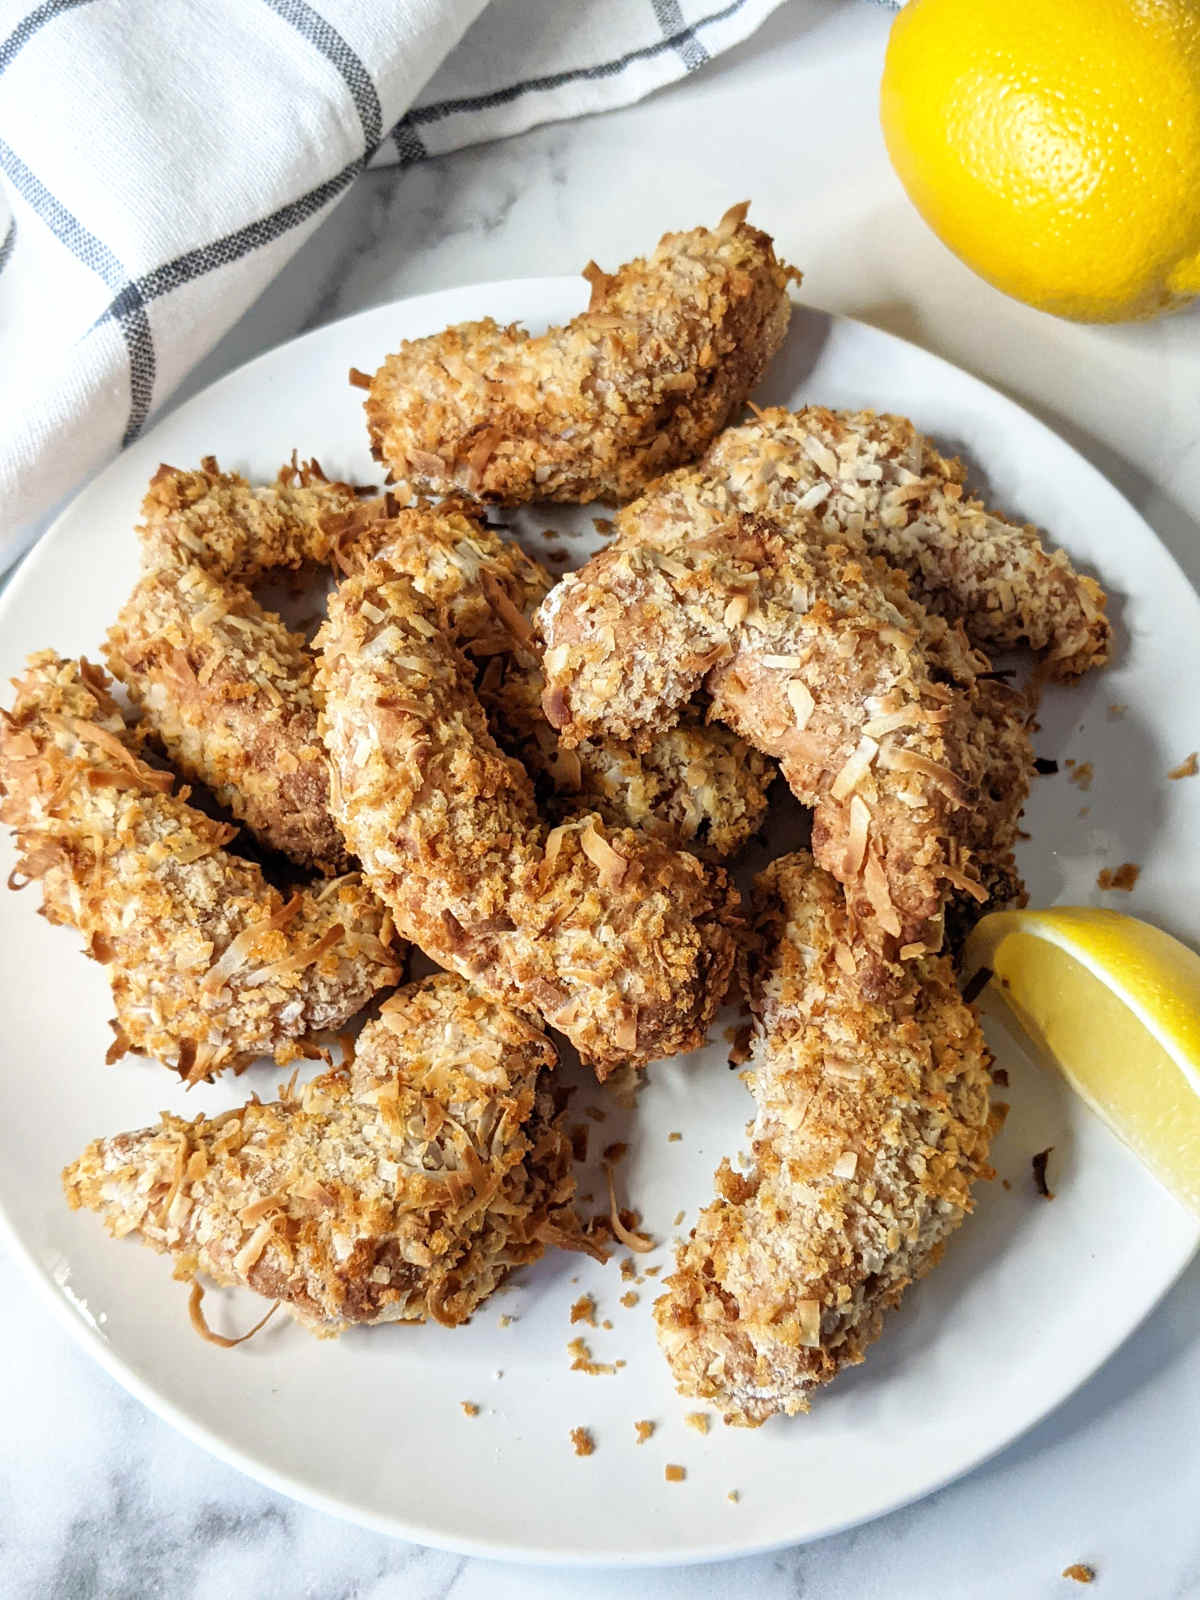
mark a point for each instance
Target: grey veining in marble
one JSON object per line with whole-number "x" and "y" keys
{"x": 100, "y": 1498}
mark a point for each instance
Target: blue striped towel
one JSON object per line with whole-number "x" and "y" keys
{"x": 163, "y": 159}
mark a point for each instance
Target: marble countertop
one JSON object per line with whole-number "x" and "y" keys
{"x": 97, "y": 1496}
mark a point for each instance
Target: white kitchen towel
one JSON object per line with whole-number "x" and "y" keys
{"x": 163, "y": 159}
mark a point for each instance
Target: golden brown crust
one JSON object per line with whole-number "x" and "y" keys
{"x": 873, "y": 1122}
{"x": 403, "y": 1186}
{"x": 642, "y": 380}
{"x": 998, "y": 760}
{"x": 696, "y": 786}
{"x": 226, "y": 689}
{"x": 210, "y": 967}
{"x": 238, "y": 530}
{"x": 870, "y": 480}
{"x": 623, "y": 944}
{"x": 990, "y": 720}
{"x": 817, "y": 658}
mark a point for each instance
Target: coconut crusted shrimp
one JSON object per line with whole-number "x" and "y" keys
{"x": 990, "y": 718}
{"x": 402, "y": 1186}
{"x": 814, "y": 656}
{"x": 873, "y": 1122}
{"x": 210, "y": 967}
{"x": 235, "y": 529}
{"x": 667, "y": 349}
{"x": 226, "y": 690}
{"x": 872, "y": 480}
{"x": 620, "y": 942}
{"x": 697, "y": 786}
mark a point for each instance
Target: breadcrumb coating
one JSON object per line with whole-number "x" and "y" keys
{"x": 403, "y": 1186}
{"x": 870, "y": 480}
{"x": 620, "y": 942}
{"x": 998, "y": 760}
{"x": 697, "y": 786}
{"x": 226, "y": 690}
{"x": 813, "y": 655}
{"x": 873, "y": 1122}
{"x": 237, "y": 530}
{"x": 210, "y": 967}
{"x": 668, "y": 348}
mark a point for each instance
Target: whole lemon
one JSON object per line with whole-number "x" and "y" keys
{"x": 1055, "y": 145}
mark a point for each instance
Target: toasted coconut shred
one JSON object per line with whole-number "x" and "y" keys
{"x": 196, "y": 1317}
{"x": 637, "y": 1242}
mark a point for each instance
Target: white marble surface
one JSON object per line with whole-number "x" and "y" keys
{"x": 97, "y": 1497}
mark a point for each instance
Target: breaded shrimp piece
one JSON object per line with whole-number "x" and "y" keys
{"x": 238, "y": 530}
{"x": 697, "y": 787}
{"x": 225, "y": 689}
{"x": 210, "y": 967}
{"x": 872, "y": 479}
{"x": 991, "y": 720}
{"x": 816, "y": 658}
{"x": 668, "y": 348}
{"x": 873, "y": 1122}
{"x": 620, "y": 942}
{"x": 405, "y": 1185}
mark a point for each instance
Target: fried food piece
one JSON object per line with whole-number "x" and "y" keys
{"x": 990, "y": 720}
{"x": 226, "y": 690}
{"x": 872, "y": 479}
{"x": 639, "y": 382}
{"x": 622, "y": 943}
{"x": 814, "y": 656}
{"x": 873, "y": 1122}
{"x": 237, "y": 530}
{"x": 210, "y": 967}
{"x": 405, "y": 1185}
{"x": 697, "y": 786}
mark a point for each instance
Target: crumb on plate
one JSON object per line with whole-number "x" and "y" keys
{"x": 578, "y": 1348}
{"x": 584, "y": 1310}
{"x": 1123, "y": 877}
{"x": 1081, "y": 773}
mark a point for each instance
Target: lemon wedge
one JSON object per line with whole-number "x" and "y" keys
{"x": 1116, "y": 1004}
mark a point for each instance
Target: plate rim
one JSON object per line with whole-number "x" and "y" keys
{"x": 93, "y": 1341}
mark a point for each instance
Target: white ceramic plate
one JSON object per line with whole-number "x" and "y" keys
{"x": 1031, "y": 1297}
